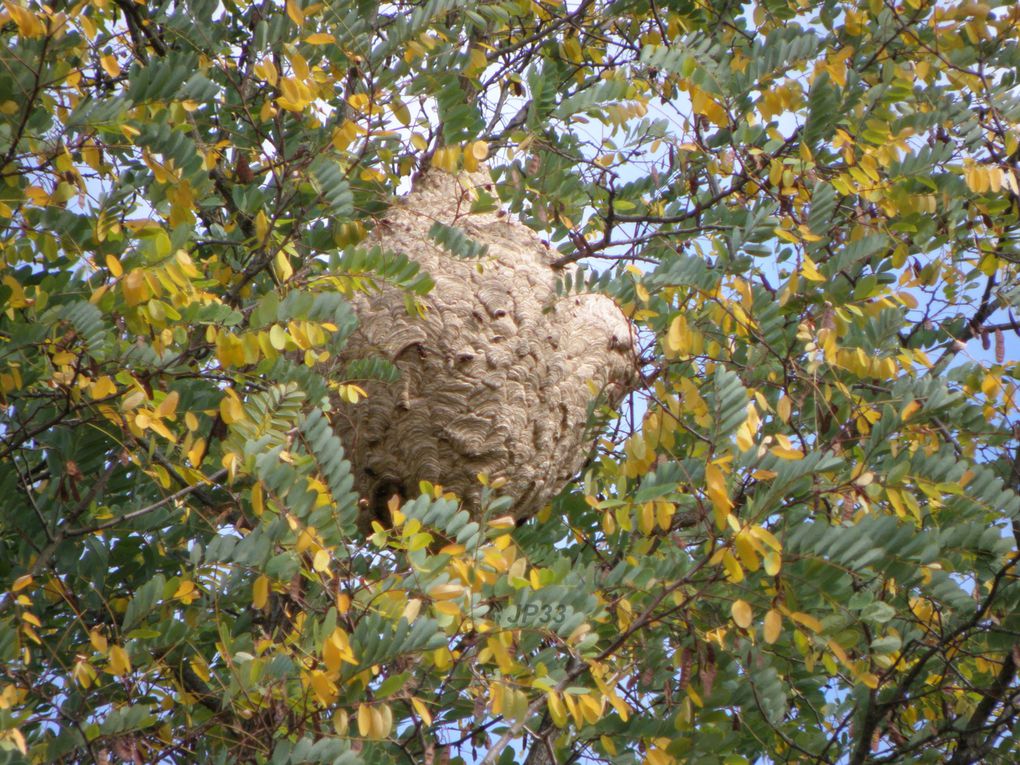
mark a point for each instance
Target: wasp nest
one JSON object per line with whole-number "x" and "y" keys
{"x": 499, "y": 375}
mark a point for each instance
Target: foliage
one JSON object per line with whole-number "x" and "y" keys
{"x": 800, "y": 542}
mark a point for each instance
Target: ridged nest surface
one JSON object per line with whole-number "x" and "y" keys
{"x": 499, "y": 375}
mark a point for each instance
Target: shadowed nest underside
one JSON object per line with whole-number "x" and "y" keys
{"x": 499, "y": 375}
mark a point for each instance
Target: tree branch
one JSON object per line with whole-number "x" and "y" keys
{"x": 976, "y": 737}
{"x": 79, "y": 532}
{"x": 972, "y": 330}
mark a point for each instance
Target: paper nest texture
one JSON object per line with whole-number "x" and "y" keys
{"x": 499, "y": 375}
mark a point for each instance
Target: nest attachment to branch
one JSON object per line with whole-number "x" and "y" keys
{"x": 499, "y": 375}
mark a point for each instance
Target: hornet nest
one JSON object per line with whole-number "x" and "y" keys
{"x": 497, "y": 377}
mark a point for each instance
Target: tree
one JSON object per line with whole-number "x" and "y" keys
{"x": 798, "y": 542}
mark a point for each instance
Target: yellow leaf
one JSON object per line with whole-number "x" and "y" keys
{"x": 907, "y": 299}
{"x": 721, "y": 503}
{"x": 284, "y": 270}
{"x": 229, "y": 349}
{"x": 734, "y": 573}
{"x": 260, "y": 592}
{"x": 412, "y": 609}
{"x": 231, "y": 409}
{"x": 741, "y": 613}
{"x": 258, "y": 502}
{"x": 134, "y": 287}
{"x": 359, "y": 101}
{"x": 840, "y": 653}
{"x": 591, "y": 708}
{"x": 200, "y": 667}
{"x": 807, "y": 620}
{"x": 910, "y": 410}
{"x": 337, "y": 649}
{"x": 789, "y": 236}
{"x": 116, "y": 269}
{"x": 477, "y": 62}
{"x": 574, "y": 708}
{"x": 608, "y": 745}
{"x": 787, "y": 454}
{"x": 810, "y": 271}
{"x": 261, "y": 226}
{"x": 678, "y": 336}
{"x": 896, "y": 500}
{"x": 31, "y": 634}
{"x": 98, "y": 641}
{"x": 446, "y": 158}
{"x": 110, "y": 64}
{"x": 102, "y": 387}
{"x": 83, "y": 673}
{"x": 497, "y": 697}
{"x": 418, "y": 141}
{"x": 21, "y": 582}
{"x": 300, "y": 66}
{"x": 556, "y": 709}
{"x": 422, "y": 710}
{"x": 321, "y": 561}
{"x": 132, "y": 400}
{"x": 197, "y": 452}
{"x": 746, "y": 552}
{"x": 869, "y": 679}
{"x": 320, "y": 38}
{"x": 773, "y": 626}
{"x": 120, "y": 663}
{"x": 446, "y": 591}
{"x": 749, "y": 428}
{"x": 572, "y": 50}
{"x": 278, "y": 337}
{"x": 168, "y": 406}
{"x": 186, "y": 592}
{"x": 17, "y": 298}
{"x": 365, "y": 720}
{"x": 764, "y": 535}
{"x": 295, "y": 95}
{"x": 447, "y": 607}
{"x": 400, "y": 111}
{"x": 267, "y": 71}
{"x": 808, "y": 235}
{"x": 29, "y": 25}
{"x": 783, "y": 407}
{"x": 19, "y": 740}
{"x": 745, "y": 439}
{"x": 703, "y": 103}
{"x": 295, "y": 13}
{"x": 695, "y": 697}
{"x": 480, "y": 150}
{"x": 382, "y": 720}
{"x": 324, "y": 688}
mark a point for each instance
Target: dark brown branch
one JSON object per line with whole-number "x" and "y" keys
{"x": 976, "y": 738}
{"x": 974, "y": 326}
{"x": 876, "y": 712}
{"x": 137, "y": 24}
{"x": 37, "y": 87}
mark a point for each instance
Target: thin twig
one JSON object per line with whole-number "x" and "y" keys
{"x": 70, "y": 533}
